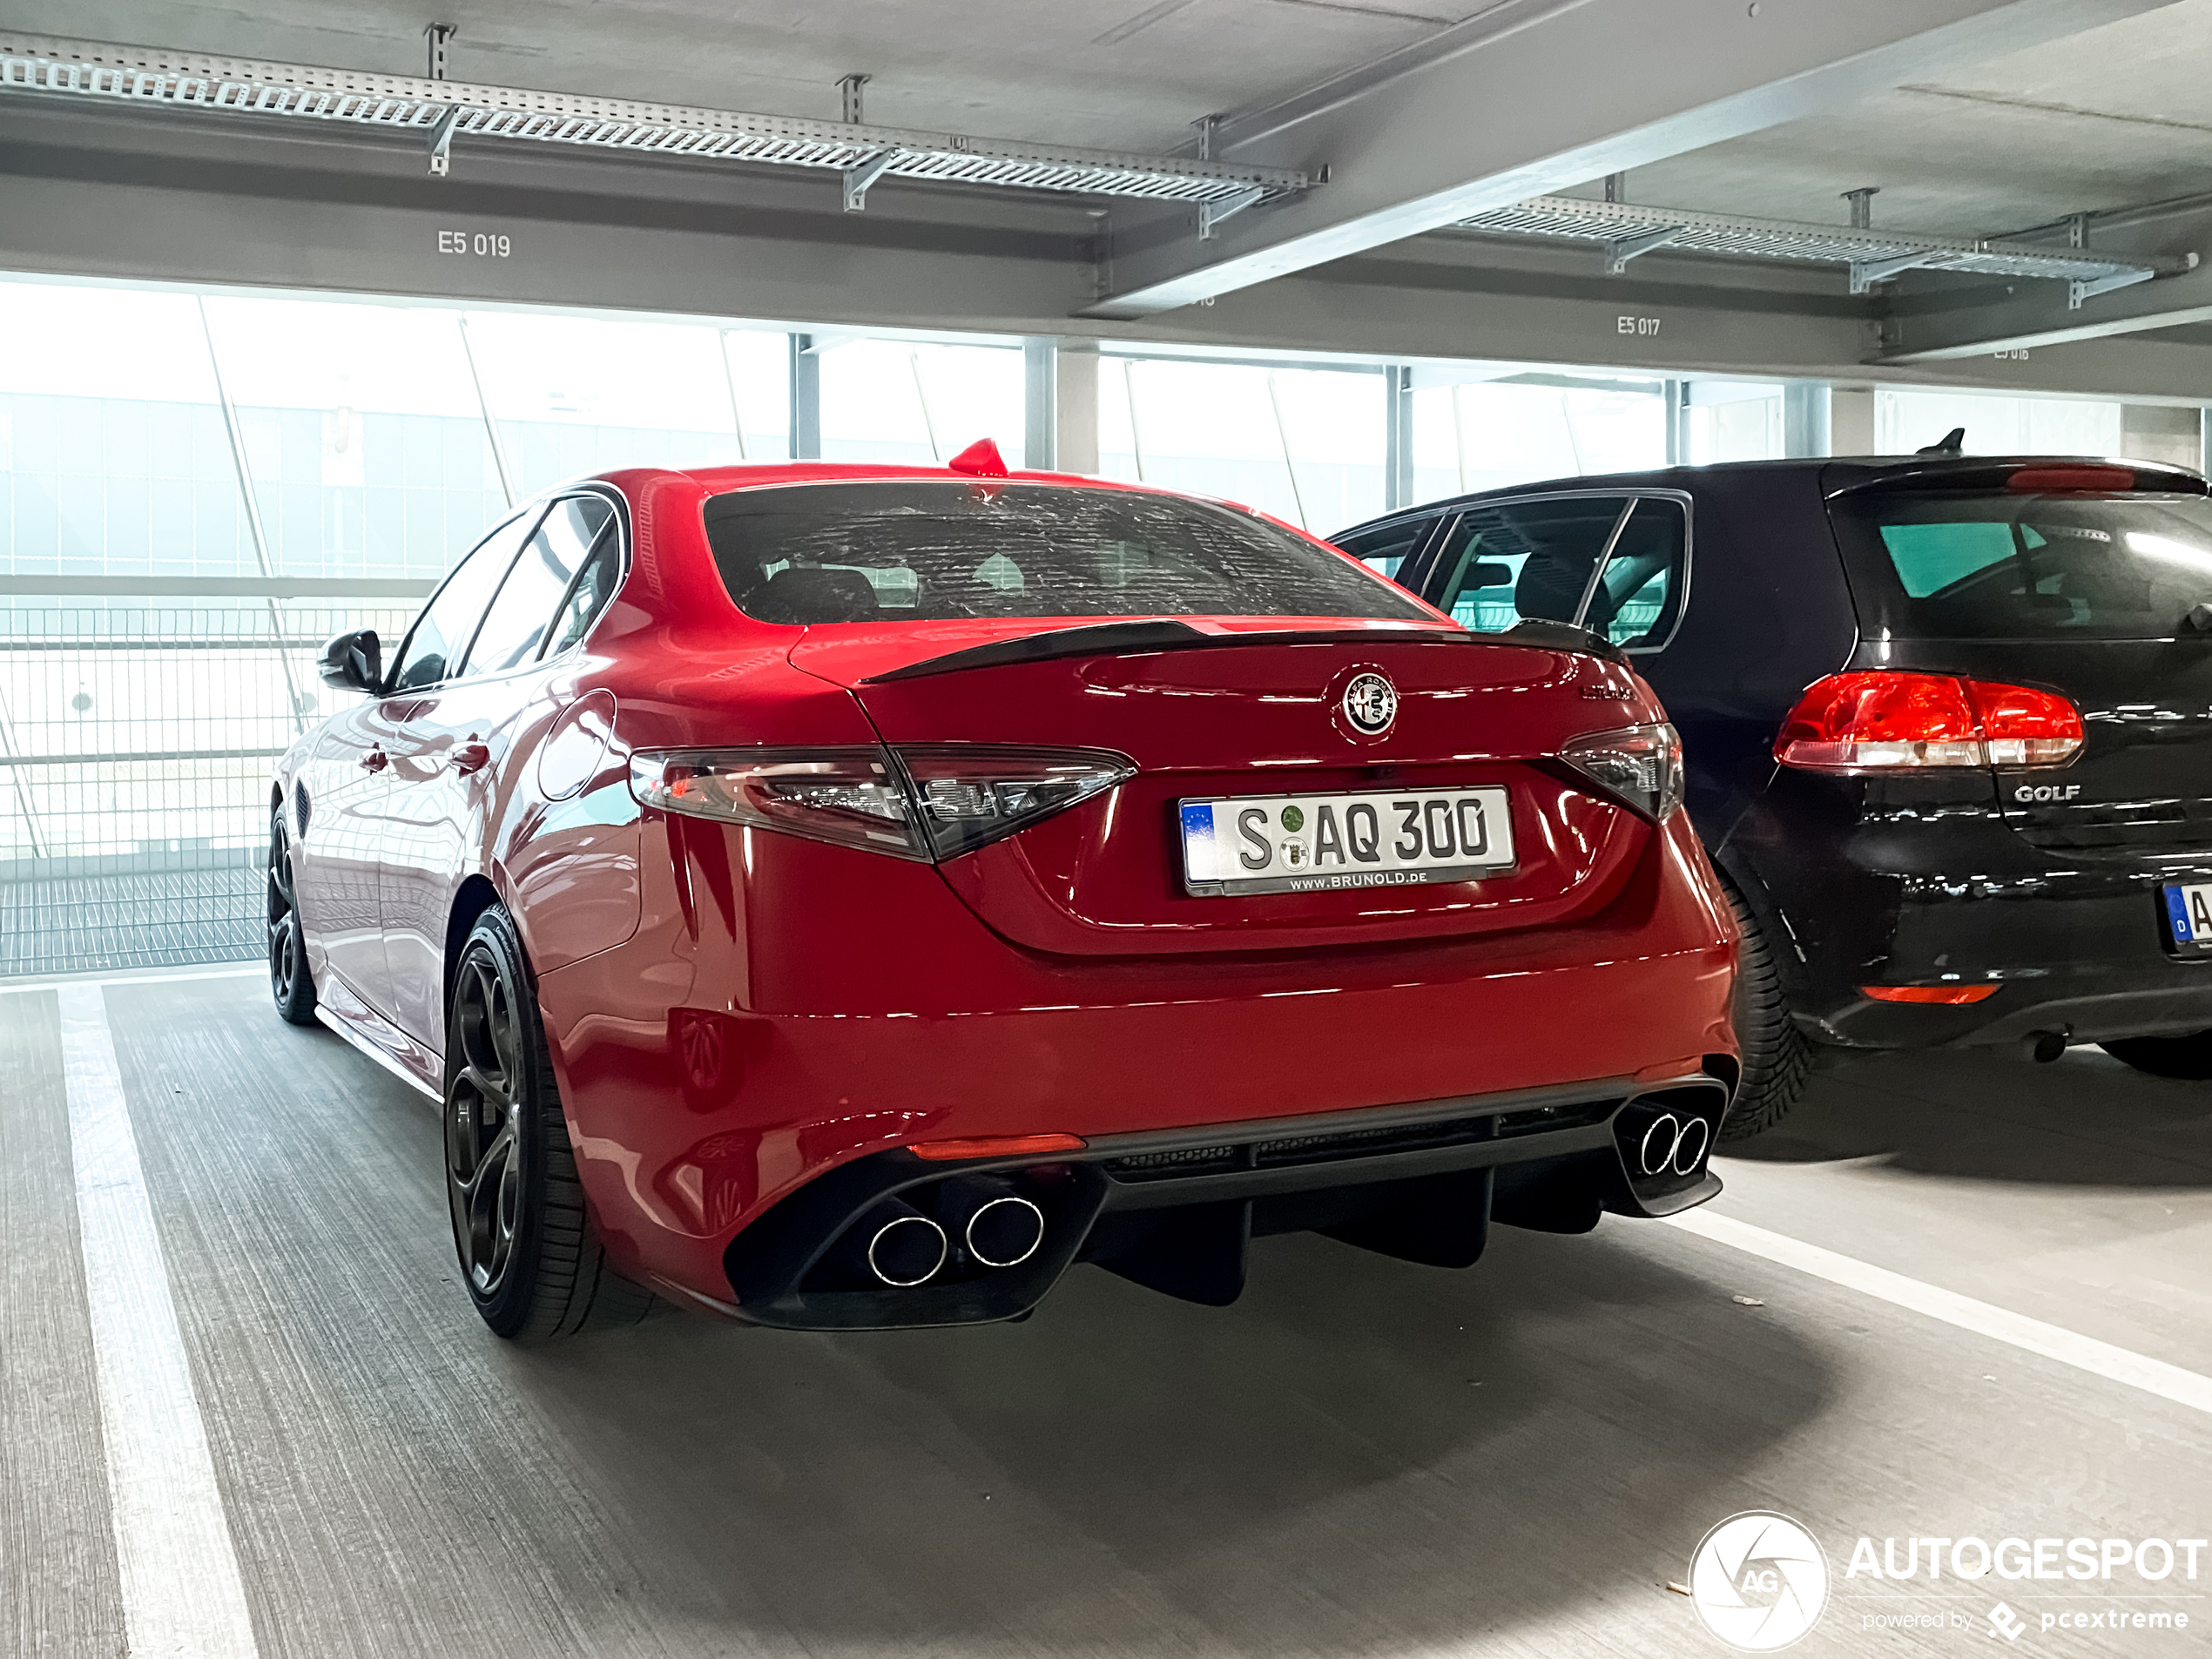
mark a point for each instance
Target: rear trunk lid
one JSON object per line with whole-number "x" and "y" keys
{"x": 2064, "y": 576}
{"x": 1208, "y": 708}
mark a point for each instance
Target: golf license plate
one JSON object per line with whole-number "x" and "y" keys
{"x": 1324, "y": 843}
{"x": 2189, "y": 918}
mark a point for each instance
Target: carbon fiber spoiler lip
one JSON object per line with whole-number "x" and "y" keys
{"x": 1131, "y": 639}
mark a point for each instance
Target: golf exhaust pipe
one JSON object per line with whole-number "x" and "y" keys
{"x": 993, "y": 1223}
{"x": 895, "y": 1245}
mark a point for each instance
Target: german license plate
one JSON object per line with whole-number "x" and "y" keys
{"x": 1324, "y": 843}
{"x": 2188, "y": 917}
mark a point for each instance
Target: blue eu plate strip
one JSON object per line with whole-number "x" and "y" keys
{"x": 2179, "y": 913}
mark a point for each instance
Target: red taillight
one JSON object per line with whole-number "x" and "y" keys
{"x": 1879, "y": 720}
{"x": 997, "y": 1146}
{"x": 1947, "y": 996}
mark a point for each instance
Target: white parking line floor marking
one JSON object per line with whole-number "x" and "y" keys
{"x": 131, "y": 976}
{"x": 2052, "y": 1342}
{"x": 182, "y": 1596}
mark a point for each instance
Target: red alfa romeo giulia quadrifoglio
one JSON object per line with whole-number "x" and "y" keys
{"x": 844, "y": 896}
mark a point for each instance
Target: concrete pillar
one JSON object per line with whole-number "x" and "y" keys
{"x": 805, "y": 400}
{"x": 1675, "y": 395}
{"x": 1804, "y": 418}
{"x": 1076, "y": 403}
{"x": 1850, "y": 421}
{"x": 1398, "y": 437}
{"x": 1040, "y": 403}
{"x": 2159, "y": 432}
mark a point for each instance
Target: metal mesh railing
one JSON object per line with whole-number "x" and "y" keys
{"x": 135, "y": 743}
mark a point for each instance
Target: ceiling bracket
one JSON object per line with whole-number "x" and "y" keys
{"x": 849, "y": 92}
{"x": 1865, "y": 274}
{"x": 1621, "y": 249}
{"x": 442, "y": 141}
{"x": 861, "y": 175}
{"x": 438, "y": 33}
{"x": 1212, "y": 214}
{"x": 2081, "y": 289}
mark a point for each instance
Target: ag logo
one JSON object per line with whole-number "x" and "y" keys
{"x": 1369, "y": 704}
{"x": 1758, "y": 1581}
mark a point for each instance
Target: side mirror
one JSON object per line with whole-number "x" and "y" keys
{"x": 354, "y": 662}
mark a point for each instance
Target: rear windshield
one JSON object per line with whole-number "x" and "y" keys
{"x": 1993, "y": 565}
{"x": 926, "y": 550}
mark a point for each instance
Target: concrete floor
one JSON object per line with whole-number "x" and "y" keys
{"x": 1361, "y": 1457}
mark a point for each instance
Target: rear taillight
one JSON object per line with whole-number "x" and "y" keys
{"x": 1880, "y": 720}
{"x": 929, "y": 803}
{"x": 1642, "y": 765}
{"x": 969, "y": 796}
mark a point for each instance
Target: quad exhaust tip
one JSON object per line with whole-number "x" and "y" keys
{"x": 1005, "y": 1233}
{"x": 1672, "y": 1146}
{"x": 900, "y": 1246}
{"x": 996, "y": 1225}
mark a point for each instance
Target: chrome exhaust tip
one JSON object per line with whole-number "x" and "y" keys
{"x": 1689, "y": 1147}
{"x": 1656, "y": 1151}
{"x": 1005, "y": 1233}
{"x": 996, "y": 1225}
{"x": 897, "y": 1245}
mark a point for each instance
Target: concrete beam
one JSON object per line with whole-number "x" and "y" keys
{"x": 1986, "y": 319}
{"x": 1536, "y": 95}
{"x": 126, "y": 197}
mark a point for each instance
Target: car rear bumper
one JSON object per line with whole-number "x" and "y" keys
{"x": 2075, "y": 944}
{"x": 1175, "y": 1210}
{"x": 732, "y": 1053}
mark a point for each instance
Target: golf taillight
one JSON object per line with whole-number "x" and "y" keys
{"x": 1881, "y": 720}
{"x": 919, "y": 801}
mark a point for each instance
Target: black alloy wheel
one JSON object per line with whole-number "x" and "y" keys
{"x": 527, "y": 1254}
{"x": 290, "y": 982}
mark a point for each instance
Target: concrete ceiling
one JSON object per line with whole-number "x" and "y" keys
{"x": 1130, "y": 74}
{"x": 2111, "y": 117}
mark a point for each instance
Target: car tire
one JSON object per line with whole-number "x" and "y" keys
{"x": 1776, "y": 1058}
{"x": 290, "y": 982}
{"x": 530, "y": 1261}
{"x": 2188, "y": 1058}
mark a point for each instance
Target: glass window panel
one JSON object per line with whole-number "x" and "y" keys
{"x": 1387, "y": 548}
{"x": 516, "y": 624}
{"x": 589, "y": 596}
{"x": 1505, "y": 562}
{"x": 103, "y": 393}
{"x": 442, "y": 634}
{"x": 363, "y": 435}
{"x": 1906, "y": 421}
{"x": 919, "y": 405}
{"x": 577, "y": 395}
{"x": 1483, "y": 435}
{"x": 1305, "y": 445}
{"x": 1640, "y": 594}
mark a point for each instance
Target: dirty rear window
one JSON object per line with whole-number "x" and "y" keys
{"x": 1987, "y": 564}
{"x": 924, "y": 550}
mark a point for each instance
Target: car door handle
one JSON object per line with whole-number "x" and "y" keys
{"x": 376, "y": 760}
{"x": 471, "y": 756}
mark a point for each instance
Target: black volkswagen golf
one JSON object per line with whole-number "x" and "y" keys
{"x": 1947, "y": 724}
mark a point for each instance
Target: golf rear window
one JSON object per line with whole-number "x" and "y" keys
{"x": 926, "y": 550}
{"x": 1991, "y": 565}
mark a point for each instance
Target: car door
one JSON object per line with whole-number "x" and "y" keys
{"x": 430, "y": 655}
{"x": 448, "y": 748}
{"x": 337, "y": 800}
